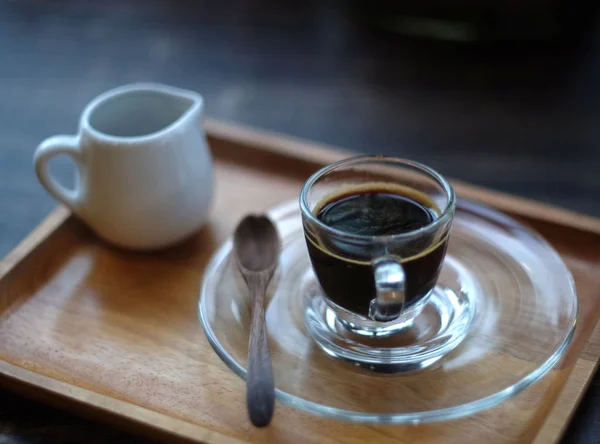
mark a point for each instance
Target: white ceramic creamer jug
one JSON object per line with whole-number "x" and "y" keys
{"x": 145, "y": 171}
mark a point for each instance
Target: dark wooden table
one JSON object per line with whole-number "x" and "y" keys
{"x": 524, "y": 120}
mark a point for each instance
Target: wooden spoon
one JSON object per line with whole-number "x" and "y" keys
{"x": 257, "y": 247}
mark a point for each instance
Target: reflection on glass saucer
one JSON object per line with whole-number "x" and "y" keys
{"x": 501, "y": 316}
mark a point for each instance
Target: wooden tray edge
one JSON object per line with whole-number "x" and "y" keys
{"x": 323, "y": 154}
{"x": 31, "y": 382}
{"x": 54, "y": 220}
{"x": 570, "y": 395}
{"x": 96, "y": 406}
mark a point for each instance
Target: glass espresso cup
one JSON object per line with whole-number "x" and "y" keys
{"x": 376, "y": 230}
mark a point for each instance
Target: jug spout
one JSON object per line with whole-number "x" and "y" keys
{"x": 180, "y": 97}
{"x": 173, "y": 101}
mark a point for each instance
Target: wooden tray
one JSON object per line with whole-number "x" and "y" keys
{"x": 115, "y": 334}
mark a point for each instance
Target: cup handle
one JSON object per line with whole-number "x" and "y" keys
{"x": 49, "y": 148}
{"x": 389, "y": 286}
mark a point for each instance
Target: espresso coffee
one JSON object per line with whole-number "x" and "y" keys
{"x": 344, "y": 267}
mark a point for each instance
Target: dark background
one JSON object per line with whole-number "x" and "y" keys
{"x": 515, "y": 105}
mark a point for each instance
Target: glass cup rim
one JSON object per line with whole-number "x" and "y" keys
{"x": 441, "y": 180}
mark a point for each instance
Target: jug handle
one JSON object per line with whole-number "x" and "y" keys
{"x": 49, "y": 148}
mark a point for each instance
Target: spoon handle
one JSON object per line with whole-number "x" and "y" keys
{"x": 260, "y": 391}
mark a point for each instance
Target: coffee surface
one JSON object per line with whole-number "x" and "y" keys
{"x": 374, "y": 213}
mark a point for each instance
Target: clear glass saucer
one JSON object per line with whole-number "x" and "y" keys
{"x": 504, "y": 284}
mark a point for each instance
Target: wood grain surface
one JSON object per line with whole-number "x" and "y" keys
{"x": 117, "y": 333}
